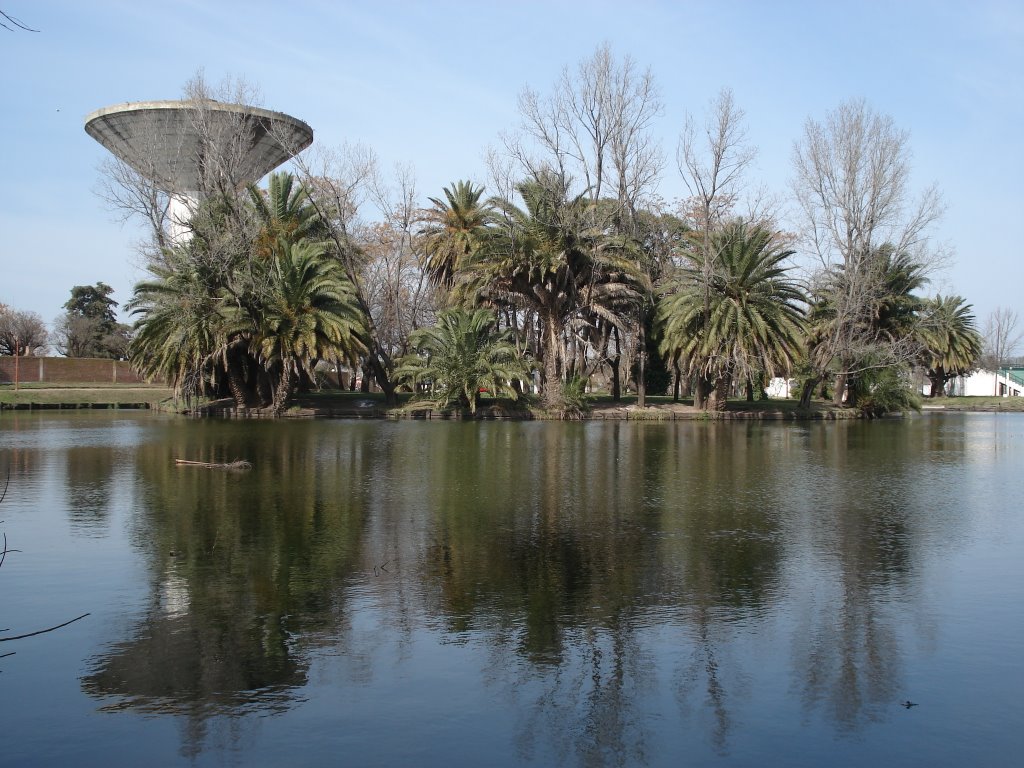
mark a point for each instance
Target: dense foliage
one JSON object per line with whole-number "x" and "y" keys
{"x": 254, "y": 319}
{"x": 89, "y": 326}
{"x": 566, "y": 275}
{"x": 460, "y": 358}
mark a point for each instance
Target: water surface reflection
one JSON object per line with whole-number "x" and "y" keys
{"x": 594, "y": 594}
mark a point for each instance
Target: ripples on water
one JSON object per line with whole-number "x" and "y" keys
{"x": 514, "y": 593}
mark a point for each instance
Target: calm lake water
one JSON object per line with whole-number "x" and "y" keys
{"x": 424, "y": 593}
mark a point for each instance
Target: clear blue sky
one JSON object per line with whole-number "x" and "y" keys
{"x": 433, "y": 84}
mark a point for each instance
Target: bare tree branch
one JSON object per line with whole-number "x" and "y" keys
{"x": 852, "y": 183}
{"x": 10, "y": 23}
{"x": 43, "y": 631}
{"x": 1002, "y": 337}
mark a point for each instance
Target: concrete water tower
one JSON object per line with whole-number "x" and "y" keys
{"x": 168, "y": 142}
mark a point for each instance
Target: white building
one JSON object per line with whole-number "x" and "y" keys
{"x": 782, "y": 388}
{"x": 1006, "y": 382}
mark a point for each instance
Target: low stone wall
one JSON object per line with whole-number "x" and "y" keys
{"x": 68, "y": 370}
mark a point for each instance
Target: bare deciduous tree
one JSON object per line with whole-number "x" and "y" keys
{"x": 134, "y": 195}
{"x": 594, "y": 130}
{"x": 148, "y": 187}
{"x": 1002, "y": 338}
{"x": 401, "y": 298}
{"x": 852, "y": 183}
{"x": 595, "y": 127}
{"x": 21, "y": 332}
{"x": 712, "y": 161}
{"x": 378, "y": 259}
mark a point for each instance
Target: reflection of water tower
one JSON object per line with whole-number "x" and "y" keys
{"x": 170, "y": 142}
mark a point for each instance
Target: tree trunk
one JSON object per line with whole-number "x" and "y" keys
{"x": 387, "y": 386}
{"x": 938, "y": 381}
{"x": 841, "y": 379}
{"x": 264, "y": 387}
{"x": 552, "y": 394}
{"x": 237, "y": 390}
{"x": 616, "y": 364}
{"x": 701, "y": 392}
{"x": 685, "y": 383}
{"x": 283, "y": 390}
{"x": 641, "y": 383}
{"x": 723, "y": 388}
{"x": 236, "y": 376}
{"x": 718, "y": 394}
{"x": 853, "y": 386}
{"x": 806, "y": 392}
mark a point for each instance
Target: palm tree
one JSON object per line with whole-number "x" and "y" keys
{"x": 887, "y": 332}
{"x": 255, "y": 308}
{"x": 461, "y": 355}
{"x": 284, "y": 211}
{"x": 896, "y": 307}
{"x": 548, "y": 258}
{"x": 309, "y": 314}
{"x": 181, "y": 329}
{"x": 950, "y": 342}
{"x": 455, "y": 228}
{"x": 755, "y": 314}
{"x": 863, "y": 317}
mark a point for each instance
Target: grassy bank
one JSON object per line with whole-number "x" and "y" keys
{"x": 975, "y": 403}
{"x": 34, "y": 395}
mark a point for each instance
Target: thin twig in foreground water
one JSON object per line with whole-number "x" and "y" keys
{"x": 43, "y": 631}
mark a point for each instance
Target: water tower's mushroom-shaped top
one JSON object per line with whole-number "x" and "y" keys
{"x": 166, "y": 141}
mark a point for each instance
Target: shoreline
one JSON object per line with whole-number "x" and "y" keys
{"x": 496, "y": 413}
{"x": 370, "y": 406}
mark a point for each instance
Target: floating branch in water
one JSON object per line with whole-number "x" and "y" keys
{"x": 236, "y": 464}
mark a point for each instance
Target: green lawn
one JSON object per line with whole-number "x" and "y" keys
{"x": 976, "y": 403}
{"x": 80, "y": 395}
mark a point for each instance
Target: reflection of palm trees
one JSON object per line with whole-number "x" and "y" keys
{"x": 728, "y": 549}
{"x": 849, "y": 658}
{"x": 560, "y": 573}
{"x": 853, "y": 669}
{"x": 704, "y": 664}
{"x": 198, "y": 665}
{"x": 604, "y": 560}
{"x": 538, "y": 572}
{"x": 247, "y": 575}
